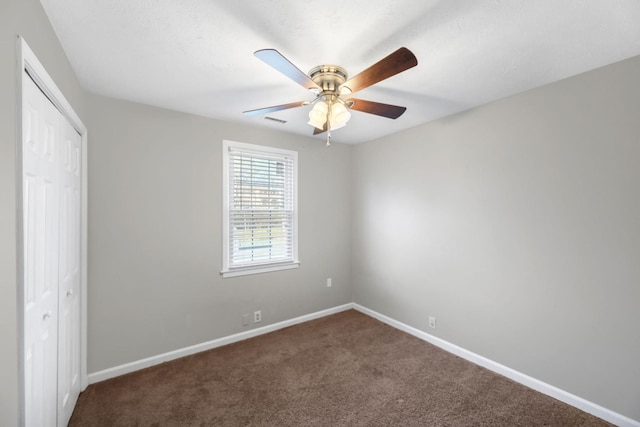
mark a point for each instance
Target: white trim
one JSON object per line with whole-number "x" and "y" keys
{"x": 187, "y": 351}
{"x": 27, "y": 61}
{"x": 535, "y": 384}
{"x": 259, "y": 269}
{"x": 20, "y": 66}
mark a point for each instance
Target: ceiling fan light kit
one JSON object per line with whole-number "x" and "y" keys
{"x": 334, "y": 113}
{"x": 329, "y": 84}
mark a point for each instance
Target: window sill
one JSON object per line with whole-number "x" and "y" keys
{"x": 243, "y": 271}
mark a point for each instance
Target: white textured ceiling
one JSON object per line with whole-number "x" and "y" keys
{"x": 196, "y": 56}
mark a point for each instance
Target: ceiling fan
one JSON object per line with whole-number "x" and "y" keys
{"x": 333, "y": 90}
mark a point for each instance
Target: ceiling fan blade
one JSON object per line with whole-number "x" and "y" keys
{"x": 397, "y": 62}
{"x": 261, "y": 111}
{"x": 377, "y": 108}
{"x": 279, "y": 62}
{"x": 317, "y": 131}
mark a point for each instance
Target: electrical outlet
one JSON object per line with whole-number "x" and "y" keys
{"x": 432, "y": 322}
{"x": 257, "y": 316}
{"x": 245, "y": 319}
{"x": 329, "y": 282}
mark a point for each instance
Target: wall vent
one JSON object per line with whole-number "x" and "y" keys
{"x": 275, "y": 120}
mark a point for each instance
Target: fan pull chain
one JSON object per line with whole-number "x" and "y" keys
{"x": 328, "y": 144}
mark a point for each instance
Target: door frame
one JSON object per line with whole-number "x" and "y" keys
{"x": 28, "y": 63}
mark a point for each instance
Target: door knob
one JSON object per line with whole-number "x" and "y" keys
{"x": 69, "y": 292}
{"x": 46, "y": 315}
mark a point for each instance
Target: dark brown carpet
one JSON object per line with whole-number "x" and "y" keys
{"x": 342, "y": 370}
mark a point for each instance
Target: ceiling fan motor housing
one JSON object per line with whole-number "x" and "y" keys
{"x": 328, "y": 78}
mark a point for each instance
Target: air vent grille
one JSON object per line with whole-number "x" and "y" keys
{"x": 275, "y": 120}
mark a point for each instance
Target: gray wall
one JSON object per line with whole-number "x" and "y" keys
{"x": 517, "y": 225}
{"x": 27, "y": 19}
{"x": 155, "y": 224}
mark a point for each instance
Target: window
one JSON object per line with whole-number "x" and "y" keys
{"x": 260, "y": 230}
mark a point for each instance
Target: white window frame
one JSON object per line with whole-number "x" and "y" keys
{"x": 232, "y": 271}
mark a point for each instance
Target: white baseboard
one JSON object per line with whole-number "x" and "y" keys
{"x": 542, "y": 387}
{"x": 187, "y": 351}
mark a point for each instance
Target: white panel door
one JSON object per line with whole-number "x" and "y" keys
{"x": 69, "y": 270}
{"x": 41, "y": 165}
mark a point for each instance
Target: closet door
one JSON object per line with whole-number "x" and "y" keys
{"x": 52, "y": 183}
{"x": 41, "y": 166}
{"x": 52, "y": 244}
{"x": 69, "y": 273}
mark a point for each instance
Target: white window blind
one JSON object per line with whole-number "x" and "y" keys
{"x": 261, "y": 217}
